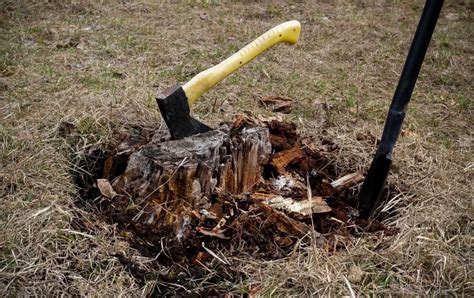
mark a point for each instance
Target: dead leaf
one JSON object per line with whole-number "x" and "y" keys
{"x": 241, "y": 121}
{"x": 70, "y": 42}
{"x": 262, "y": 120}
{"x": 218, "y": 233}
{"x": 277, "y": 103}
{"x": 105, "y": 188}
{"x": 82, "y": 45}
{"x": 355, "y": 274}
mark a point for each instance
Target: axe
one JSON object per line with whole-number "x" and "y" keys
{"x": 174, "y": 102}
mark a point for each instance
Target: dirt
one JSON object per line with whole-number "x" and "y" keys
{"x": 233, "y": 225}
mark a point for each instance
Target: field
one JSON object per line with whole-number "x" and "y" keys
{"x": 98, "y": 65}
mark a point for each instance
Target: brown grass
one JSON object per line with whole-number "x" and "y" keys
{"x": 98, "y": 64}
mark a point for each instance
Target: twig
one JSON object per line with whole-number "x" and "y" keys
{"x": 225, "y": 262}
{"x": 351, "y": 291}
{"x": 78, "y": 233}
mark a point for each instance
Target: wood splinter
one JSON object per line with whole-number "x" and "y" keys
{"x": 347, "y": 181}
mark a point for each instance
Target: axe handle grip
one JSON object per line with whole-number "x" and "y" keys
{"x": 286, "y": 32}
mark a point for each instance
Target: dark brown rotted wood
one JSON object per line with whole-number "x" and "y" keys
{"x": 165, "y": 184}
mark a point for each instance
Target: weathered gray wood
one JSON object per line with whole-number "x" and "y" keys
{"x": 166, "y": 183}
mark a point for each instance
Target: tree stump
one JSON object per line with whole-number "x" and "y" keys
{"x": 166, "y": 182}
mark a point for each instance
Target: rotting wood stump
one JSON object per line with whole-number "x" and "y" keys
{"x": 169, "y": 180}
{"x": 252, "y": 186}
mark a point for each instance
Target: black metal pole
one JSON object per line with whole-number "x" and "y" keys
{"x": 378, "y": 171}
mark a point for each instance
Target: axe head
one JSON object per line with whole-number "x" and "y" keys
{"x": 174, "y": 108}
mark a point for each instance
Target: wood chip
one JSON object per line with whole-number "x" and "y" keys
{"x": 347, "y": 181}
{"x": 259, "y": 196}
{"x": 283, "y": 222}
{"x": 284, "y": 158}
{"x": 302, "y": 209}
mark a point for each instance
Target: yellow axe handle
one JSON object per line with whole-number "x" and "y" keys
{"x": 286, "y": 32}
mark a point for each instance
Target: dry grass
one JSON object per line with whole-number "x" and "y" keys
{"x": 98, "y": 64}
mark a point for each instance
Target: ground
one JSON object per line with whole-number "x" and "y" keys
{"x": 99, "y": 64}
